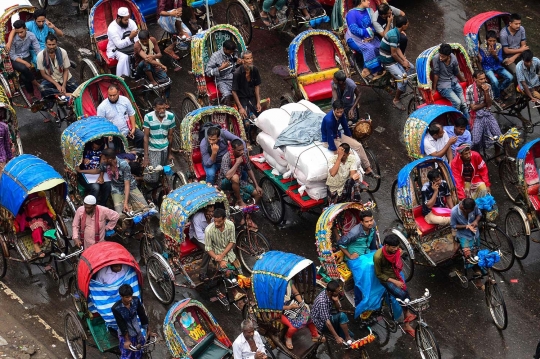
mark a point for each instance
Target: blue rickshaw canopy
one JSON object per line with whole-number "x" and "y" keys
{"x": 526, "y": 148}
{"x": 404, "y": 173}
{"x": 24, "y": 175}
{"x": 274, "y": 270}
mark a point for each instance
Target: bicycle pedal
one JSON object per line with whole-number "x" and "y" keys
{"x": 461, "y": 277}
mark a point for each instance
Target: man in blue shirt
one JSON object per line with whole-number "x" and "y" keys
{"x": 361, "y": 239}
{"x": 464, "y": 220}
{"x": 527, "y": 73}
{"x": 490, "y": 55}
{"x": 460, "y": 131}
{"x": 41, "y": 27}
{"x": 333, "y": 137}
{"x": 21, "y": 58}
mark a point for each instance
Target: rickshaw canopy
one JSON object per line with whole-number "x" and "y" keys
{"x": 417, "y": 125}
{"x": 184, "y": 202}
{"x": 192, "y": 118}
{"x": 24, "y": 175}
{"x": 104, "y": 12}
{"x": 78, "y": 134}
{"x": 6, "y": 103}
{"x": 423, "y": 64}
{"x": 472, "y": 27}
{"x": 325, "y": 45}
{"x": 100, "y": 255}
{"x": 405, "y": 172}
{"x": 523, "y": 151}
{"x": 9, "y": 10}
{"x": 274, "y": 270}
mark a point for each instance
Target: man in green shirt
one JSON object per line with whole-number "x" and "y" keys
{"x": 220, "y": 240}
{"x": 388, "y": 266}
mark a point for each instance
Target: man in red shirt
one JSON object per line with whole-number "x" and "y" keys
{"x": 470, "y": 173}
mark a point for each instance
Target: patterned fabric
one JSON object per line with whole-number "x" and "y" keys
{"x": 337, "y": 182}
{"x": 5, "y": 143}
{"x": 481, "y": 96}
{"x": 226, "y": 165}
{"x": 321, "y": 310}
{"x": 159, "y": 130}
{"x": 156, "y": 158}
{"x": 489, "y": 63}
{"x": 126, "y": 353}
{"x": 216, "y": 240}
{"x": 427, "y": 193}
{"x": 485, "y": 126}
{"x": 118, "y": 175}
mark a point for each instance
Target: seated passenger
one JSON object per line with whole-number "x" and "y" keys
{"x": 514, "y": 42}
{"x": 118, "y": 110}
{"x": 120, "y": 46}
{"x": 249, "y": 344}
{"x": 169, "y": 14}
{"x": 460, "y": 131}
{"x": 434, "y": 195}
{"x": 344, "y": 180}
{"x": 446, "y": 78}
{"x": 388, "y": 267}
{"x": 470, "y": 173}
{"x": 37, "y": 214}
{"x": 296, "y": 316}
{"x": 213, "y": 147}
{"x": 220, "y": 240}
{"x": 360, "y": 35}
{"x": 273, "y": 12}
{"x": 233, "y": 164}
{"x": 53, "y": 64}
{"x": 110, "y": 274}
{"x": 221, "y": 66}
{"x": 437, "y": 143}
{"x": 21, "y": 58}
{"x": 361, "y": 239}
{"x": 91, "y": 222}
{"x": 490, "y": 55}
{"x": 198, "y": 224}
{"x": 383, "y": 18}
{"x": 147, "y": 55}
{"x": 41, "y": 27}
{"x": 98, "y": 188}
{"x": 527, "y": 74}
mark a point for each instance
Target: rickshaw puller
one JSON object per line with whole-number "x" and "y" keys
{"x": 345, "y": 89}
{"x": 147, "y": 55}
{"x": 388, "y": 267}
{"x": 91, "y": 222}
{"x": 118, "y": 47}
{"x": 344, "y": 180}
{"x": 471, "y": 173}
{"x": 249, "y": 345}
{"x": 221, "y": 66}
{"x": 220, "y": 240}
{"x": 91, "y": 160}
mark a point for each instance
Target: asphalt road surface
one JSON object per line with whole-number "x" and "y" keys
{"x": 459, "y": 317}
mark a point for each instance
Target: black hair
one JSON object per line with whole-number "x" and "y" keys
{"x": 39, "y": 12}
{"x": 515, "y": 16}
{"x": 99, "y": 141}
{"x": 332, "y": 286}
{"x": 383, "y": 9}
{"x": 337, "y": 104}
{"x": 113, "y": 86}
{"x": 213, "y": 131}
{"x": 346, "y": 147}
{"x": 366, "y": 213}
{"x": 144, "y": 34}
{"x": 235, "y": 143}
{"x": 391, "y": 240}
{"x": 491, "y": 34}
{"x": 477, "y": 73}
{"x": 340, "y": 75}
{"x": 229, "y": 45}
{"x": 468, "y": 204}
{"x": 109, "y": 153}
{"x": 433, "y": 174}
{"x": 220, "y": 213}
{"x": 51, "y": 37}
{"x": 527, "y": 55}
{"x": 401, "y": 21}
{"x": 19, "y": 24}
{"x": 434, "y": 128}
{"x": 461, "y": 122}
{"x": 159, "y": 101}
{"x": 125, "y": 290}
{"x": 445, "y": 49}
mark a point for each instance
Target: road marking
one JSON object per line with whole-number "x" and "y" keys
{"x": 15, "y": 297}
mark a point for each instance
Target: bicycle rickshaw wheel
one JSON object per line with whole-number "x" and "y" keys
{"x": 146, "y": 104}
{"x": 249, "y": 250}
{"x": 238, "y": 17}
{"x": 74, "y": 335}
{"x": 414, "y": 103}
{"x": 26, "y": 100}
{"x": 285, "y": 99}
{"x": 189, "y": 103}
{"x": 393, "y": 195}
{"x": 43, "y": 3}
{"x": 272, "y": 201}
{"x": 509, "y": 179}
{"x": 494, "y": 239}
{"x": 388, "y": 314}
{"x": 426, "y": 342}
{"x": 88, "y": 70}
{"x": 76, "y": 295}
{"x": 179, "y": 179}
{"x": 496, "y": 305}
{"x": 408, "y": 261}
{"x": 516, "y": 230}
{"x": 161, "y": 284}
{"x": 149, "y": 246}
{"x": 3, "y": 261}
{"x": 373, "y": 183}
{"x": 248, "y": 312}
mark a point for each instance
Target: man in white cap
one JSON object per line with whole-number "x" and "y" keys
{"x": 91, "y": 222}
{"x": 122, "y": 34}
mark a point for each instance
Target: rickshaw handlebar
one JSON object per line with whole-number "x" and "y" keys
{"x": 415, "y": 302}
{"x": 405, "y": 78}
{"x": 145, "y": 212}
{"x": 62, "y": 256}
{"x": 151, "y": 341}
{"x": 247, "y": 209}
{"x": 158, "y": 168}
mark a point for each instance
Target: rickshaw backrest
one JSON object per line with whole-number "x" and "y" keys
{"x": 105, "y": 11}
{"x": 303, "y": 67}
{"x": 324, "y": 52}
{"x": 16, "y": 12}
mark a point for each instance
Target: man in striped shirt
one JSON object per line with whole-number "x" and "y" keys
{"x": 158, "y": 134}
{"x": 392, "y": 58}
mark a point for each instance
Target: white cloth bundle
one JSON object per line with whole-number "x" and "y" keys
{"x": 274, "y": 164}
{"x": 267, "y": 144}
{"x": 273, "y": 121}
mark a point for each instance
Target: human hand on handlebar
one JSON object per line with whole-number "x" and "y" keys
{"x": 127, "y": 344}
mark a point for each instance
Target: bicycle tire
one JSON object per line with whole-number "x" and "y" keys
{"x": 3, "y": 261}
{"x": 73, "y": 333}
{"x": 496, "y": 305}
{"x": 376, "y": 169}
{"x": 75, "y": 294}
{"x": 509, "y": 179}
{"x": 494, "y": 239}
{"x": 178, "y": 181}
{"x": 238, "y": 17}
{"x": 388, "y": 314}
{"x": 515, "y": 228}
{"x": 272, "y": 201}
{"x": 249, "y": 250}
{"x": 426, "y": 343}
{"x": 149, "y": 246}
{"x": 158, "y": 277}
{"x": 407, "y": 260}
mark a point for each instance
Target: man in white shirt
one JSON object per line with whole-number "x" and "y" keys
{"x": 199, "y": 222}
{"x": 122, "y": 34}
{"x": 111, "y": 274}
{"x": 249, "y": 344}
{"x": 437, "y": 143}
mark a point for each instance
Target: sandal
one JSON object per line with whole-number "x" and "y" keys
{"x": 411, "y": 332}
{"x": 398, "y": 105}
{"x": 266, "y": 20}
{"x": 39, "y": 254}
{"x": 288, "y": 343}
{"x": 319, "y": 339}
{"x": 372, "y": 174}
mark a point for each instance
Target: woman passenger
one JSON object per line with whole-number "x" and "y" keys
{"x": 38, "y": 215}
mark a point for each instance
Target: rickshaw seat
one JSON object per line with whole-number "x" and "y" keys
{"x": 102, "y": 47}
{"x": 423, "y": 226}
{"x": 188, "y": 247}
{"x": 323, "y": 47}
{"x": 207, "y": 349}
{"x": 211, "y": 88}
{"x": 198, "y": 167}
{"x": 437, "y": 97}
{"x": 318, "y": 85}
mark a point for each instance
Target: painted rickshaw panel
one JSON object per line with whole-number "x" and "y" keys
{"x": 274, "y": 270}
{"x": 472, "y": 28}
{"x": 182, "y": 203}
{"x": 99, "y": 256}
{"x": 28, "y": 174}
{"x": 78, "y": 134}
{"x": 527, "y": 171}
{"x": 98, "y": 20}
{"x": 87, "y": 94}
{"x": 177, "y": 346}
{"x": 417, "y": 125}
{"x": 11, "y": 117}
{"x": 423, "y": 64}
{"x": 9, "y": 8}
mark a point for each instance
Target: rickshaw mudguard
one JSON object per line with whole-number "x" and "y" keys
{"x": 524, "y": 218}
{"x": 174, "y": 341}
{"x": 79, "y": 133}
{"x": 472, "y": 27}
{"x": 185, "y": 201}
{"x": 26, "y": 174}
{"x": 417, "y": 125}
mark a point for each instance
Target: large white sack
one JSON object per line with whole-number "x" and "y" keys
{"x": 302, "y": 180}
{"x": 273, "y": 121}
{"x": 311, "y": 106}
{"x": 273, "y": 163}
{"x": 267, "y": 144}
{"x": 317, "y": 193}
{"x": 291, "y": 107}
{"x": 312, "y": 160}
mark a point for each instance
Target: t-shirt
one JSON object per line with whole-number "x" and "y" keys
{"x": 347, "y": 95}
{"x": 529, "y": 75}
{"x": 245, "y": 90}
{"x": 94, "y": 157}
{"x": 336, "y": 183}
{"x": 57, "y": 75}
{"x": 124, "y": 174}
{"x": 118, "y": 113}
{"x": 41, "y": 34}
{"x": 447, "y": 73}
{"x": 431, "y": 145}
{"x": 427, "y": 193}
{"x": 512, "y": 41}
{"x": 464, "y": 138}
{"x": 159, "y": 130}
{"x": 391, "y": 39}
{"x": 379, "y": 24}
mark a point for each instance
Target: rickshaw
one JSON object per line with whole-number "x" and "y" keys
{"x": 191, "y": 331}
{"x": 275, "y": 270}
{"x": 475, "y": 30}
{"x": 92, "y": 322}
{"x": 8, "y": 115}
{"x": 523, "y": 218}
{"x": 432, "y": 245}
{"x": 182, "y": 257}
{"x": 376, "y": 310}
{"x": 23, "y": 177}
